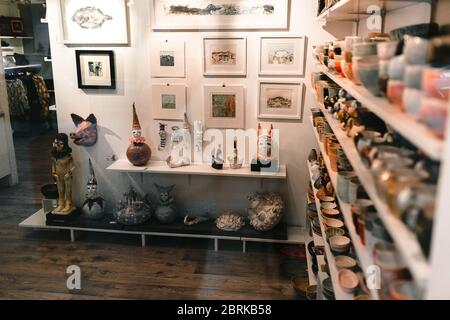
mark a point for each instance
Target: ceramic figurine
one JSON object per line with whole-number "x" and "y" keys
{"x": 217, "y": 158}
{"x": 198, "y": 139}
{"x": 94, "y": 205}
{"x": 162, "y": 136}
{"x": 265, "y": 211}
{"x": 133, "y": 210}
{"x": 86, "y": 133}
{"x": 62, "y": 171}
{"x": 230, "y": 221}
{"x": 192, "y": 221}
{"x": 180, "y": 149}
{"x": 264, "y": 155}
{"x": 166, "y": 213}
{"x": 235, "y": 162}
{"x": 138, "y": 153}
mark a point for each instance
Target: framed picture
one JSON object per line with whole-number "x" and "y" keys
{"x": 168, "y": 101}
{"x": 224, "y": 107}
{"x": 220, "y": 14}
{"x": 280, "y": 100}
{"x": 223, "y": 56}
{"x": 94, "y": 21}
{"x": 95, "y": 69}
{"x": 168, "y": 59}
{"x": 282, "y": 56}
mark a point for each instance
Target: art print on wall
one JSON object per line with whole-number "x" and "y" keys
{"x": 168, "y": 59}
{"x": 282, "y": 56}
{"x": 223, "y": 56}
{"x": 224, "y": 107}
{"x": 280, "y": 100}
{"x": 95, "y": 69}
{"x": 220, "y": 14}
{"x": 168, "y": 102}
{"x": 94, "y": 21}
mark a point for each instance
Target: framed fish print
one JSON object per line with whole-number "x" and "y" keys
{"x": 280, "y": 100}
{"x": 168, "y": 59}
{"x": 220, "y": 14}
{"x": 95, "y": 69}
{"x": 168, "y": 102}
{"x": 94, "y": 21}
{"x": 224, "y": 56}
{"x": 224, "y": 107}
{"x": 282, "y": 56}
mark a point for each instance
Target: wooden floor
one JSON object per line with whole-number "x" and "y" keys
{"x": 33, "y": 264}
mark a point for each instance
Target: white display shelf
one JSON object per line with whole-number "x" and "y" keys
{"x": 161, "y": 167}
{"x": 412, "y": 130}
{"x": 405, "y": 240}
{"x": 365, "y": 259}
{"x": 353, "y": 10}
{"x": 339, "y": 293}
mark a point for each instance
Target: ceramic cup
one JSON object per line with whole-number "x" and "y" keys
{"x": 395, "y": 91}
{"x": 353, "y": 188}
{"x": 436, "y": 82}
{"x": 349, "y": 41}
{"x": 397, "y": 68}
{"x": 416, "y": 50}
{"x": 412, "y": 100}
{"x": 387, "y": 49}
{"x": 368, "y": 73}
{"x": 343, "y": 181}
{"x": 434, "y": 113}
{"x": 364, "y": 49}
{"x": 413, "y": 76}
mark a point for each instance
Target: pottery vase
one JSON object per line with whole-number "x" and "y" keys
{"x": 139, "y": 154}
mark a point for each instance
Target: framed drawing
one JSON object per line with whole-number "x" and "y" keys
{"x": 95, "y": 69}
{"x": 220, "y": 14}
{"x": 224, "y": 107}
{"x": 168, "y": 59}
{"x": 282, "y": 56}
{"x": 280, "y": 100}
{"x": 223, "y": 56}
{"x": 94, "y": 21}
{"x": 168, "y": 102}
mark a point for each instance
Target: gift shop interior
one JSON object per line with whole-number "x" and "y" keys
{"x": 229, "y": 149}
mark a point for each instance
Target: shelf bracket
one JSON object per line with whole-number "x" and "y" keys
{"x": 143, "y": 240}
{"x": 72, "y": 235}
{"x": 216, "y": 245}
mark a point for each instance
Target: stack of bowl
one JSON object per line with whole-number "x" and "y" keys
{"x": 327, "y": 289}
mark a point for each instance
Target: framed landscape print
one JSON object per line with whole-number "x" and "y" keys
{"x": 224, "y": 107}
{"x": 95, "y": 69}
{"x": 280, "y": 100}
{"x": 220, "y": 14}
{"x": 224, "y": 56}
{"x": 282, "y": 56}
{"x": 168, "y": 102}
{"x": 168, "y": 59}
{"x": 94, "y": 21}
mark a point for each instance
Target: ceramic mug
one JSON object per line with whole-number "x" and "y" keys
{"x": 343, "y": 181}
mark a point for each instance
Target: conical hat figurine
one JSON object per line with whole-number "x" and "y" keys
{"x": 94, "y": 205}
{"x": 138, "y": 153}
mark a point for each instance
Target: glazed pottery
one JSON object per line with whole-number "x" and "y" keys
{"x": 412, "y": 101}
{"x": 364, "y": 49}
{"x": 349, "y": 41}
{"x": 330, "y": 213}
{"x": 424, "y": 30}
{"x": 328, "y": 205}
{"x": 386, "y": 50}
{"x": 416, "y": 50}
{"x": 397, "y": 68}
{"x": 395, "y": 91}
{"x": 348, "y": 280}
{"x": 333, "y": 223}
{"x": 404, "y": 290}
{"x": 340, "y": 244}
{"x": 368, "y": 73}
{"x": 343, "y": 180}
{"x": 436, "y": 83}
{"x": 434, "y": 113}
{"x": 345, "y": 262}
{"x": 265, "y": 211}
{"x": 332, "y": 232}
{"x": 413, "y": 76}
{"x": 327, "y": 199}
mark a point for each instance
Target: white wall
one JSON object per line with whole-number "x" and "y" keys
{"x": 113, "y": 110}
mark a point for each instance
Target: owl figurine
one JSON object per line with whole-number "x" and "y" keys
{"x": 94, "y": 206}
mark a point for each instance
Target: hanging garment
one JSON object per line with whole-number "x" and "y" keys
{"x": 44, "y": 96}
{"x": 17, "y": 99}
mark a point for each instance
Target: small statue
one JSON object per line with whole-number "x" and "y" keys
{"x": 133, "y": 210}
{"x": 94, "y": 205}
{"x": 162, "y": 136}
{"x": 230, "y": 221}
{"x": 180, "y": 150}
{"x": 194, "y": 220}
{"x": 62, "y": 171}
{"x": 138, "y": 153}
{"x": 264, "y": 160}
{"x": 86, "y": 133}
{"x": 217, "y": 159}
{"x": 166, "y": 213}
{"x": 235, "y": 162}
{"x": 265, "y": 211}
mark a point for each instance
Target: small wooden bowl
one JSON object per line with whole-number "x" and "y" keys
{"x": 348, "y": 280}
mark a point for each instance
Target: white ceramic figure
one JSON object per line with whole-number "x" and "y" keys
{"x": 94, "y": 205}
{"x": 180, "y": 150}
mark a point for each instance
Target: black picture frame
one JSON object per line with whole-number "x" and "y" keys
{"x": 110, "y": 53}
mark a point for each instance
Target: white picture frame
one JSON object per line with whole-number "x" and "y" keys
{"x": 282, "y": 56}
{"x": 224, "y": 56}
{"x": 169, "y": 101}
{"x": 280, "y": 100}
{"x": 224, "y": 107}
{"x": 78, "y": 28}
{"x": 168, "y": 59}
{"x": 196, "y": 15}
